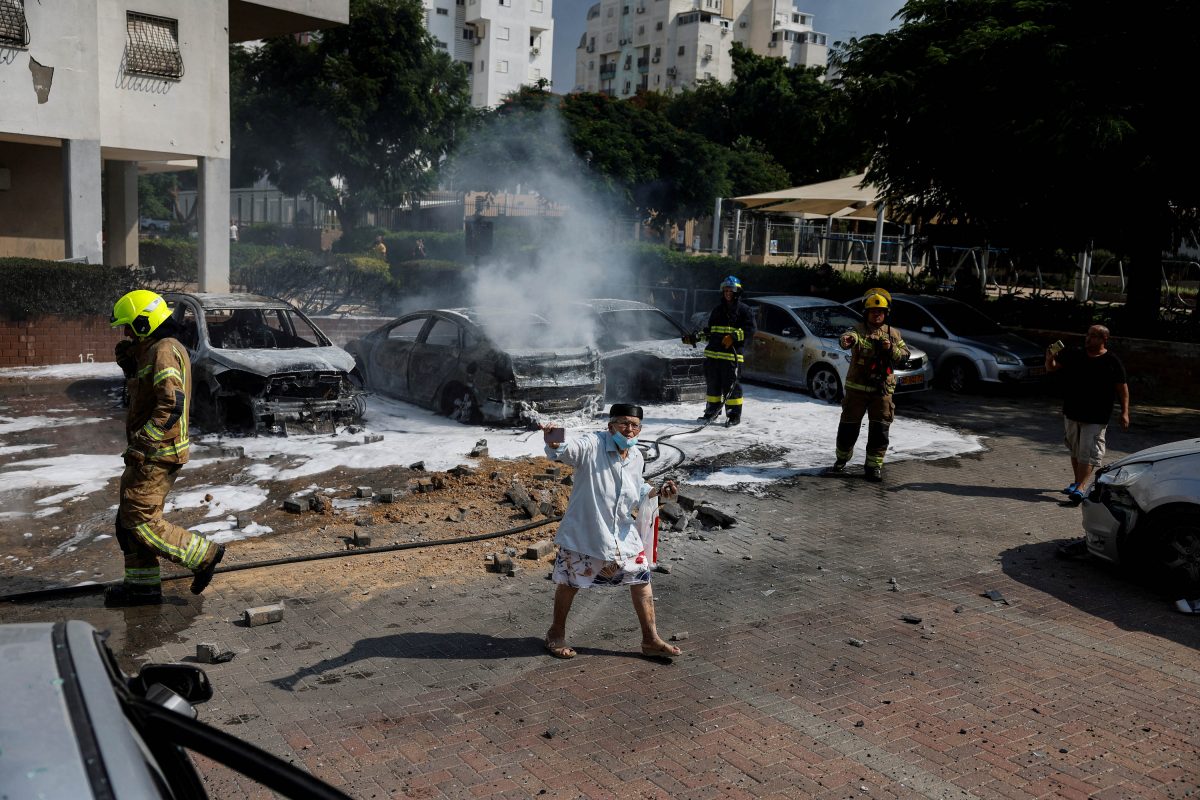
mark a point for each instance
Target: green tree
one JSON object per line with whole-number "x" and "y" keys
{"x": 789, "y": 111}
{"x": 359, "y": 115}
{"x": 1023, "y": 119}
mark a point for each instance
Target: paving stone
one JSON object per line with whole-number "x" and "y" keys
{"x": 263, "y": 615}
{"x": 540, "y": 549}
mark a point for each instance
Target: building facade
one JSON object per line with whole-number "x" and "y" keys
{"x": 504, "y": 44}
{"x": 94, "y": 92}
{"x": 662, "y": 45}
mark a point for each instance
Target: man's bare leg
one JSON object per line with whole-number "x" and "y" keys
{"x": 557, "y": 635}
{"x": 1082, "y": 472}
{"x": 643, "y": 604}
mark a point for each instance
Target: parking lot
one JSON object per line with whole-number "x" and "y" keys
{"x": 838, "y": 644}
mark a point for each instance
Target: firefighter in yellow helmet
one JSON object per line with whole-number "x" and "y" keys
{"x": 159, "y": 383}
{"x": 875, "y": 348}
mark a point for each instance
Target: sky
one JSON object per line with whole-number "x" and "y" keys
{"x": 791, "y": 433}
{"x": 839, "y": 19}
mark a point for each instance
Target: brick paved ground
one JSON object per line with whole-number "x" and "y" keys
{"x": 1083, "y": 684}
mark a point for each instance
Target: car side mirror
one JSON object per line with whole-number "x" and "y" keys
{"x": 185, "y": 680}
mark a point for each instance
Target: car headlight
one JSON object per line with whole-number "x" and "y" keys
{"x": 1006, "y": 358}
{"x": 1126, "y": 474}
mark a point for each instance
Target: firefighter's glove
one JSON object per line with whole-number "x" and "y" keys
{"x": 125, "y": 358}
{"x": 133, "y": 457}
{"x": 727, "y": 340}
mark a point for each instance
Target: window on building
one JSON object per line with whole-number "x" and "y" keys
{"x": 470, "y": 65}
{"x": 628, "y": 62}
{"x": 506, "y": 2}
{"x": 443, "y": 12}
{"x": 610, "y": 11}
{"x": 501, "y": 66}
{"x": 625, "y": 11}
{"x": 682, "y": 49}
{"x": 608, "y": 37}
{"x": 708, "y": 51}
{"x": 591, "y": 65}
{"x": 468, "y": 34}
{"x": 537, "y": 6}
{"x": 441, "y": 44}
{"x": 641, "y": 30}
{"x": 14, "y": 32}
{"x": 658, "y": 26}
{"x": 152, "y": 46}
{"x": 658, "y": 52}
{"x": 626, "y": 91}
{"x": 502, "y": 33}
{"x": 482, "y": 65}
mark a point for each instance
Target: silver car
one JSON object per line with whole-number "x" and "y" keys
{"x": 1144, "y": 511}
{"x": 966, "y": 346}
{"x": 797, "y": 345}
{"x": 73, "y": 725}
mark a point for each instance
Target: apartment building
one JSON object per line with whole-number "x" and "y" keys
{"x": 94, "y": 92}
{"x": 503, "y": 43}
{"x": 660, "y": 45}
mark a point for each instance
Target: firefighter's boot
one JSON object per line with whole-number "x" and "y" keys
{"x": 204, "y": 575}
{"x": 873, "y": 474}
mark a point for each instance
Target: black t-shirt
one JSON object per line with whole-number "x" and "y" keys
{"x": 1090, "y": 385}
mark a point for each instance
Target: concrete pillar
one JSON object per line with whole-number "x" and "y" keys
{"x": 120, "y": 213}
{"x": 213, "y": 220}
{"x": 82, "y": 200}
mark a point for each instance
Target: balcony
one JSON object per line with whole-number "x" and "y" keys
{"x": 643, "y": 64}
{"x": 608, "y": 71}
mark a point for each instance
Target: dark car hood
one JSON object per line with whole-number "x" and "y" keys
{"x": 1017, "y": 345}
{"x": 270, "y": 362}
{"x": 658, "y": 348}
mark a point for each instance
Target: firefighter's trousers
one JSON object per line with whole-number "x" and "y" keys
{"x": 723, "y": 386}
{"x": 143, "y": 534}
{"x": 880, "y": 410}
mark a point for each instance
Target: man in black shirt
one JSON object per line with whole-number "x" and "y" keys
{"x": 1094, "y": 378}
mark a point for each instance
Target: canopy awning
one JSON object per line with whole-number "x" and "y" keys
{"x": 840, "y": 197}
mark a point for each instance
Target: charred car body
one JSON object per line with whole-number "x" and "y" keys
{"x": 480, "y": 365}
{"x": 644, "y": 357}
{"x": 259, "y": 365}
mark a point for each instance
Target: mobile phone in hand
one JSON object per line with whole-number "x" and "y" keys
{"x": 556, "y": 436}
{"x": 1057, "y": 347}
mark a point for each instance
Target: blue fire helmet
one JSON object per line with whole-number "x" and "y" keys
{"x": 731, "y": 283}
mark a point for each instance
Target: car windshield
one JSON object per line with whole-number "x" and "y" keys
{"x": 962, "y": 320}
{"x": 827, "y": 321}
{"x": 638, "y": 325}
{"x": 259, "y": 329}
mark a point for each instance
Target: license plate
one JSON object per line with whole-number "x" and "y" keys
{"x": 1035, "y": 371}
{"x": 911, "y": 379}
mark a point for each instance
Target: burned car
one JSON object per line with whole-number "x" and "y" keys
{"x": 260, "y": 366}
{"x": 644, "y": 357}
{"x": 480, "y": 365}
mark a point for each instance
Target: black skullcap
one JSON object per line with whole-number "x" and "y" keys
{"x": 625, "y": 410}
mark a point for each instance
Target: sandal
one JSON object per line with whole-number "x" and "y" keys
{"x": 559, "y": 649}
{"x": 663, "y": 650}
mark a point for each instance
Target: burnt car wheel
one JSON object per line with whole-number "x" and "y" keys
{"x": 959, "y": 376}
{"x": 1175, "y": 549}
{"x": 825, "y": 384}
{"x": 459, "y": 403}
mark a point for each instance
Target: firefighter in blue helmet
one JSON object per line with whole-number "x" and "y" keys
{"x": 730, "y": 327}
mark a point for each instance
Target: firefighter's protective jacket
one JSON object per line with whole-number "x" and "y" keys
{"x": 734, "y": 320}
{"x": 870, "y": 364}
{"x": 160, "y": 394}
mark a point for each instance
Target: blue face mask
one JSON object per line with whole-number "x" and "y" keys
{"x": 621, "y": 442}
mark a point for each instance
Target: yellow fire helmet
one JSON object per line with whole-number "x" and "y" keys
{"x": 142, "y": 310}
{"x": 877, "y": 298}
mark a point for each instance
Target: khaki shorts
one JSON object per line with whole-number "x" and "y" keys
{"x": 1085, "y": 440}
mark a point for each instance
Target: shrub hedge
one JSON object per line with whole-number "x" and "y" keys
{"x": 33, "y": 287}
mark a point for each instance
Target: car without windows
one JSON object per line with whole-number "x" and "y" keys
{"x": 259, "y": 365}
{"x": 73, "y": 725}
{"x": 797, "y": 345}
{"x": 644, "y": 357}
{"x": 1143, "y": 511}
{"x": 481, "y": 365}
{"x": 966, "y": 346}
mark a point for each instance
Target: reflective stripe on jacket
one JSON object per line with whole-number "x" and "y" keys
{"x": 735, "y": 320}
{"x": 160, "y": 394}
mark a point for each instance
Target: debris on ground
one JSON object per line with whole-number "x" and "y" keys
{"x": 262, "y": 615}
{"x": 995, "y": 596}
{"x": 911, "y": 619}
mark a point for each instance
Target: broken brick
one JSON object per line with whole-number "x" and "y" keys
{"x": 263, "y": 615}
{"x": 293, "y": 505}
{"x": 387, "y": 495}
{"x": 417, "y": 467}
{"x": 372, "y": 438}
{"x": 539, "y": 550}
{"x": 363, "y": 491}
